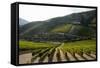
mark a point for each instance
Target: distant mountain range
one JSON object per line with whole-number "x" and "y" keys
{"x": 81, "y": 24}
{"x": 22, "y": 22}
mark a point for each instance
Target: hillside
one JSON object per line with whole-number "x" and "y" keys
{"x": 81, "y": 24}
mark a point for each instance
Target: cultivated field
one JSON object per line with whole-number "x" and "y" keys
{"x": 43, "y": 52}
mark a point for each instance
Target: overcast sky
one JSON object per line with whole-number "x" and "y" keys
{"x": 40, "y": 13}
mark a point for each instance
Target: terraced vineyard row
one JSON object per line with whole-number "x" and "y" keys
{"x": 61, "y": 53}
{"x": 58, "y": 55}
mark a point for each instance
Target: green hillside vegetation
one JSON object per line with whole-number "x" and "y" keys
{"x": 84, "y": 31}
{"x": 66, "y": 24}
{"x": 84, "y": 46}
{"x": 93, "y": 23}
{"x": 63, "y": 28}
{"x": 33, "y": 45}
{"x": 80, "y": 47}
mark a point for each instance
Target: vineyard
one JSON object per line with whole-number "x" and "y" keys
{"x": 44, "y": 52}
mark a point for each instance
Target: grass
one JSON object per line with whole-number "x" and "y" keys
{"x": 33, "y": 45}
{"x": 84, "y": 46}
{"x": 80, "y": 47}
{"x": 62, "y": 28}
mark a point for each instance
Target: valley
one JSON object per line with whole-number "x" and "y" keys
{"x": 61, "y": 39}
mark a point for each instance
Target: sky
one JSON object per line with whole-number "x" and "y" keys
{"x": 41, "y": 13}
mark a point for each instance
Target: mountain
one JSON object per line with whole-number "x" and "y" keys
{"x": 83, "y": 23}
{"x": 22, "y": 22}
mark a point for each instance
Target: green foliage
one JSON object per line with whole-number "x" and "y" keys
{"x": 62, "y": 28}
{"x": 80, "y": 47}
{"x": 34, "y": 45}
{"x": 85, "y": 46}
{"x": 85, "y": 31}
{"x": 67, "y": 23}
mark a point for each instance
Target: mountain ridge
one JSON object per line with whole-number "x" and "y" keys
{"x": 82, "y": 20}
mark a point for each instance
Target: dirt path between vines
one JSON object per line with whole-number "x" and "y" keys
{"x": 25, "y": 58}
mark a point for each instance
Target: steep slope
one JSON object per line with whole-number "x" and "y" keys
{"x": 76, "y": 23}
